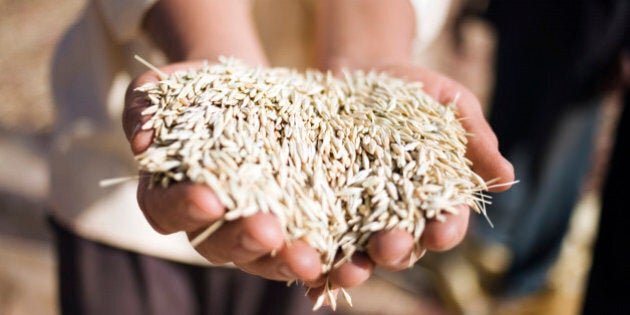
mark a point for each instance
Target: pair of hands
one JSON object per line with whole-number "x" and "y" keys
{"x": 249, "y": 242}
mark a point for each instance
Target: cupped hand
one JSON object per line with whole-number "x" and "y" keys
{"x": 255, "y": 244}
{"x": 395, "y": 249}
{"x": 483, "y": 146}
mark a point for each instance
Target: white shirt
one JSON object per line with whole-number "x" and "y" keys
{"x": 91, "y": 69}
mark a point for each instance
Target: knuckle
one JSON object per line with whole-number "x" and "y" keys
{"x": 158, "y": 227}
{"x": 148, "y": 212}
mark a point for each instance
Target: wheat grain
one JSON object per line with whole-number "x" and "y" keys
{"x": 335, "y": 159}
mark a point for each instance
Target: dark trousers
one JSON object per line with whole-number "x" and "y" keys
{"x": 609, "y": 281}
{"x": 99, "y": 279}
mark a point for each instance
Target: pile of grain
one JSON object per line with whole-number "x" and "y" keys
{"x": 334, "y": 159}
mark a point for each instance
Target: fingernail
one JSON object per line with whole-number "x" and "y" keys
{"x": 135, "y": 131}
{"x": 284, "y": 271}
{"x": 401, "y": 260}
{"x": 407, "y": 259}
{"x": 416, "y": 254}
{"x": 250, "y": 244}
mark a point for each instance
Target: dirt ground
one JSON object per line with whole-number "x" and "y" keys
{"x": 29, "y": 30}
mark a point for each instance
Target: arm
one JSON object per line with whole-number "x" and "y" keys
{"x": 197, "y": 29}
{"x": 361, "y": 33}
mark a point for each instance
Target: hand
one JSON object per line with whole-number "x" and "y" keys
{"x": 247, "y": 242}
{"x": 483, "y": 146}
{"x": 387, "y": 247}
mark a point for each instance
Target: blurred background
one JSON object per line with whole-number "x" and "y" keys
{"x": 28, "y": 32}
{"x": 451, "y": 283}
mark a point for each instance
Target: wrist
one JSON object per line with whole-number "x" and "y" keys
{"x": 249, "y": 55}
{"x": 183, "y": 31}
{"x": 349, "y": 62}
{"x": 358, "y": 34}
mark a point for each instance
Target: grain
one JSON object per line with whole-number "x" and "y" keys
{"x": 335, "y": 159}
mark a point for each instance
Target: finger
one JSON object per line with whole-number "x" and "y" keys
{"x": 482, "y": 148}
{"x": 242, "y": 240}
{"x": 296, "y": 260}
{"x": 441, "y": 236}
{"x": 133, "y": 120}
{"x": 483, "y": 145}
{"x": 391, "y": 249}
{"x": 181, "y": 207}
{"x": 353, "y": 272}
{"x": 136, "y": 102}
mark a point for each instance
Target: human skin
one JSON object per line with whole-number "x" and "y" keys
{"x": 348, "y": 40}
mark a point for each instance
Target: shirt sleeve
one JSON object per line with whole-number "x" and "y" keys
{"x": 124, "y": 17}
{"x": 430, "y": 18}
